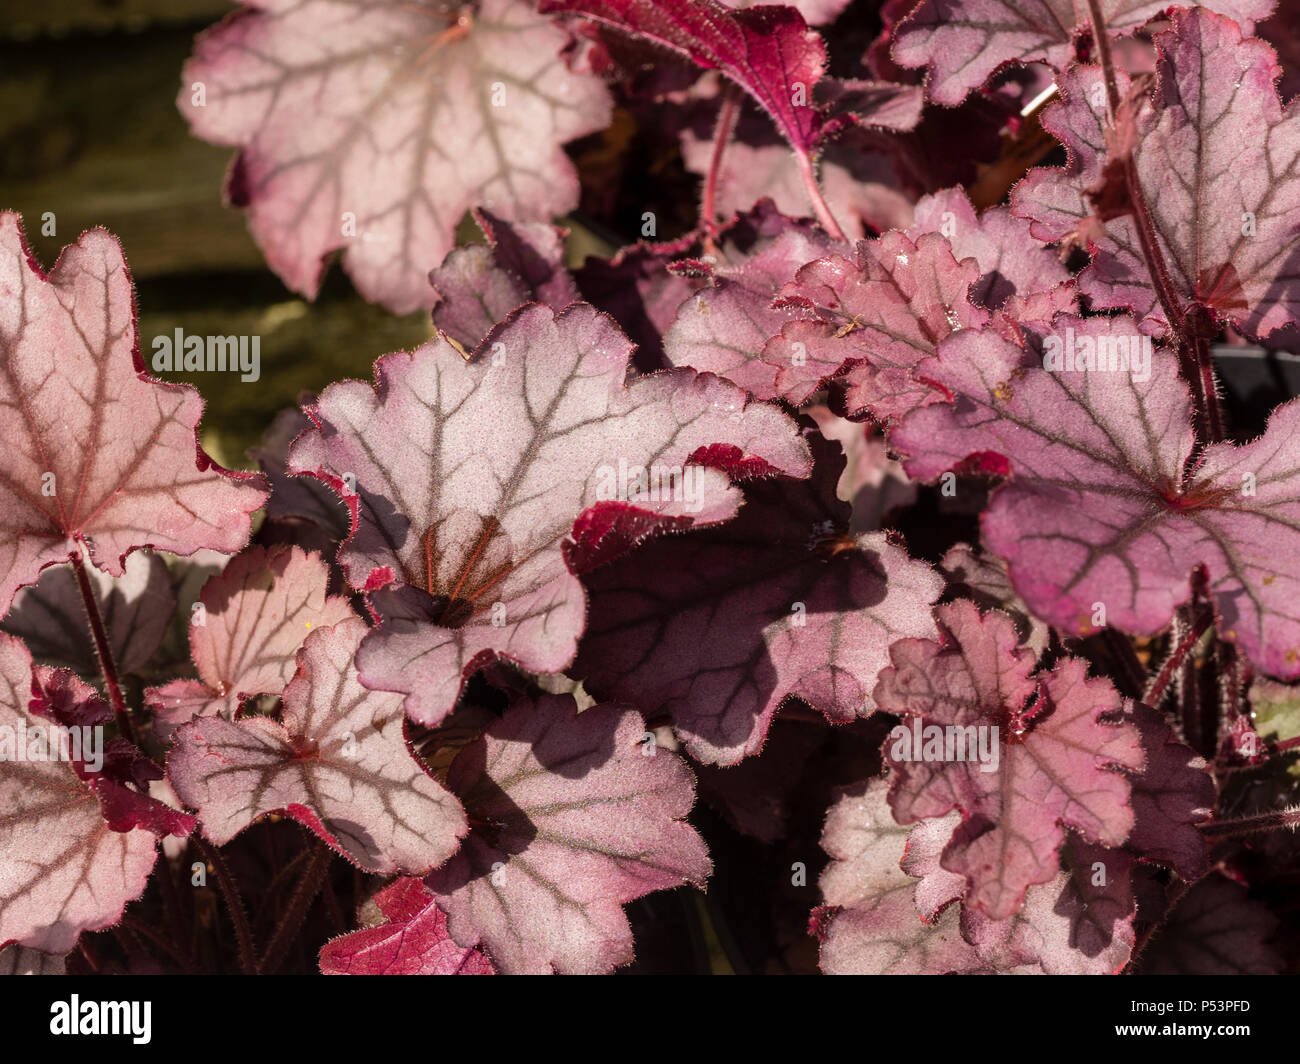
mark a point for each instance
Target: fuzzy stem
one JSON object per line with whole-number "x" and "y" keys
{"x": 721, "y": 137}
{"x": 1250, "y": 825}
{"x": 814, "y": 191}
{"x": 304, "y": 893}
{"x": 234, "y": 905}
{"x": 1160, "y": 682}
{"x": 102, "y": 650}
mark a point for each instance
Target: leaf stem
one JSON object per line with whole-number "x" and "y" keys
{"x": 304, "y": 893}
{"x": 234, "y": 905}
{"x": 1251, "y": 825}
{"x": 721, "y": 137}
{"x": 102, "y": 650}
{"x": 814, "y": 191}
{"x": 1187, "y": 642}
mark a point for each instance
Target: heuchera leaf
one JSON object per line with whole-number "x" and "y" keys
{"x": 720, "y": 327}
{"x": 880, "y": 312}
{"x": 471, "y": 475}
{"x": 64, "y": 868}
{"x": 816, "y": 12}
{"x": 874, "y": 927}
{"x": 1098, "y": 508}
{"x": 873, "y": 483}
{"x": 963, "y": 42}
{"x": 298, "y": 498}
{"x": 1058, "y": 751}
{"x": 338, "y": 763}
{"x": 97, "y": 453}
{"x": 256, "y": 614}
{"x": 768, "y": 51}
{"x": 1217, "y": 929}
{"x": 577, "y": 819}
{"x": 1227, "y": 229}
{"x": 1079, "y": 923}
{"x": 411, "y": 940}
{"x": 719, "y": 627}
{"x": 1173, "y": 794}
{"x": 983, "y": 579}
{"x": 479, "y": 285}
{"x": 18, "y": 960}
{"x": 136, "y": 609}
{"x": 375, "y": 126}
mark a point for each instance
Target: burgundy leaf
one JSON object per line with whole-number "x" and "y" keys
{"x": 1217, "y": 929}
{"x": 768, "y": 51}
{"x": 480, "y": 284}
{"x": 876, "y": 316}
{"x": 97, "y": 452}
{"x": 1214, "y": 116}
{"x": 1098, "y": 516}
{"x": 471, "y": 475}
{"x": 339, "y": 763}
{"x": 816, "y": 12}
{"x": 963, "y": 42}
{"x": 576, "y": 816}
{"x": 374, "y": 126}
{"x": 255, "y": 615}
{"x": 136, "y": 609}
{"x": 1056, "y": 749}
{"x": 410, "y": 939}
{"x": 65, "y": 869}
{"x": 1173, "y": 794}
{"x": 718, "y": 628}
{"x": 876, "y": 929}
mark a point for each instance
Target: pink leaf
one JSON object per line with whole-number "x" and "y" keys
{"x": 963, "y": 42}
{"x": 63, "y": 868}
{"x": 875, "y": 928}
{"x": 1215, "y": 115}
{"x": 256, "y": 614}
{"x": 339, "y": 763}
{"x": 1057, "y": 751}
{"x": 875, "y": 316}
{"x": 1098, "y": 509}
{"x": 720, "y": 627}
{"x": 983, "y": 579}
{"x": 412, "y": 939}
{"x": 816, "y": 12}
{"x": 1079, "y": 923}
{"x": 479, "y": 285}
{"x": 471, "y": 476}
{"x": 374, "y": 127}
{"x": 96, "y": 452}
{"x": 720, "y": 327}
{"x": 575, "y": 819}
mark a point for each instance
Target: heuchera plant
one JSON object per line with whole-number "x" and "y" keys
{"x": 886, "y": 520}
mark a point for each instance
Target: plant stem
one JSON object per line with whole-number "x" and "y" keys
{"x": 234, "y": 905}
{"x": 1250, "y": 825}
{"x": 721, "y": 137}
{"x": 814, "y": 191}
{"x": 1160, "y": 682}
{"x": 1193, "y": 352}
{"x": 102, "y": 649}
{"x": 304, "y": 893}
